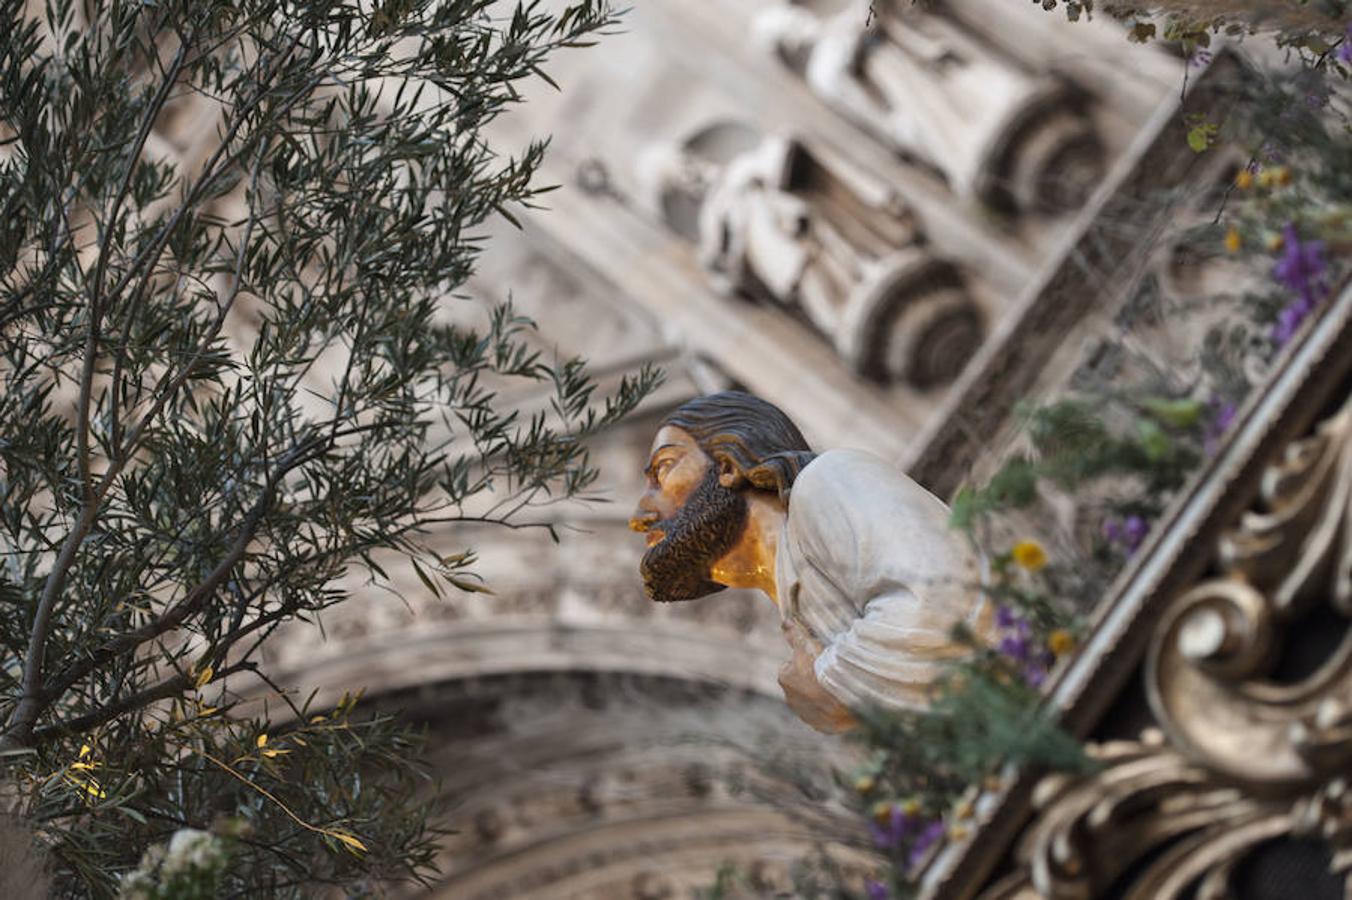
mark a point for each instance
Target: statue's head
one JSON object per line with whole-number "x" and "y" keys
{"x": 787, "y": 31}
{"x": 707, "y": 458}
{"x": 673, "y": 183}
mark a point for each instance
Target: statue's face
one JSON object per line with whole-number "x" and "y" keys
{"x": 676, "y": 465}
{"x": 690, "y": 520}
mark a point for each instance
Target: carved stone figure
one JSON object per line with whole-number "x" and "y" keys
{"x": 924, "y": 86}
{"x": 775, "y": 221}
{"x": 868, "y": 577}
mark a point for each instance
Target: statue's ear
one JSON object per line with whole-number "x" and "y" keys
{"x": 728, "y": 474}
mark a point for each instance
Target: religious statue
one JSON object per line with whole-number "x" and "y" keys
{"x": 776, "y": 221}
{"x": 868, "y": 577}
{"x": 923, "y": 85}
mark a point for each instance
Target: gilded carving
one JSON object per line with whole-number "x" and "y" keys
{"x": 1208, "y": 670}
{"x": 1242, "y": 757}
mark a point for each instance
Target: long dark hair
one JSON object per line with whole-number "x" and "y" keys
{"x": 761, "y": 444}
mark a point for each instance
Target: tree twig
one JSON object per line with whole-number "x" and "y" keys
{"x": 96, "y": 298}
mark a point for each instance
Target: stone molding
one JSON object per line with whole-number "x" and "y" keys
{"x": 1098, "y": 262}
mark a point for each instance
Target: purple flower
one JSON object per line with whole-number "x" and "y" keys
{"x": 1199, "y": 58}
{"x": 877, "y": 890}
{"x": 1036, "y": 670}
{"x": 924, "y": 841}
{"x": 1290, "y": 318}
{"x": 1007, "y": 620}
{"x": 1014, "y": 646}
{"x": 899, "y": 825}
{"x": 1302, "y": 267}
{"x": 1222, "y": 417}
{"x": 1344, "y": 54}
{"x": 1016, "y": 642}
{"x": 1127, "y": 533}
{"x": 1135, "y": 529}
{"x": 1225, "y": 415}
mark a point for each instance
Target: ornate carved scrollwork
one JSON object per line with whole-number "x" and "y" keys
{"x": 1242, "y": 758}
{"x": 1147, "y": 797}
{"x": 1207, "y": 674}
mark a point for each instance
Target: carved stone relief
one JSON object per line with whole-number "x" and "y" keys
{"x": 777, "y": 221}
{"x": 934, "y": 93}
{"x": 619, "y": 787}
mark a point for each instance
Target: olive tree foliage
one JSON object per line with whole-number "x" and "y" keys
{"x": 226, "y": 392}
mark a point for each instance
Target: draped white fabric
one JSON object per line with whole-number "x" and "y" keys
{"x": 868, "y": 564}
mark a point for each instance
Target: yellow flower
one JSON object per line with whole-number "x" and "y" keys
{"x": 1281, "y": 175}
{"x": 1265, "y": 178}
{"x": 963, "y": 810}
{"x": 1030, "y": 555}
{"x": 1060, "y": 641}
{"x": 863, "y": 784}
{"x": 1232, "y": 240}
{"x": 1274, "y": 242}
{"x": 1244, "y": 180}
{"x": 957, "y": 832}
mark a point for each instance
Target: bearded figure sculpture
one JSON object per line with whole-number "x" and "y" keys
{"x": 868, "y": 577}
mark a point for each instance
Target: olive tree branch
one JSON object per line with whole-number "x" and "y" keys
{"x": 196, "y": 598}
{"x": 96, "y": 299}
{"x": 35, "y": 697}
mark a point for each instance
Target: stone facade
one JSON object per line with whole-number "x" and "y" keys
{"x": 722, "y": 215}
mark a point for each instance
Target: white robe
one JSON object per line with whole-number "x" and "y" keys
{"x": 868, "y": 564}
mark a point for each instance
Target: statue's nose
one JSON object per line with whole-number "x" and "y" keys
{"x": 646, "y": 513}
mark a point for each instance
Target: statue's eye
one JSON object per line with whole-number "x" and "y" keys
{"x": 663, "y": 467}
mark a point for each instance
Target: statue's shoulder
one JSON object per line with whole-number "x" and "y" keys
{"x": 852, "y": 485}
{"x": 835, "y": 470}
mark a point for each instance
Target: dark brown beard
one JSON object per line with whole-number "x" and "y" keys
{"x": 702, "y": 531}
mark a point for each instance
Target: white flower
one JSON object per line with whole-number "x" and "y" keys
{"x": 137, "y": 885}
{"x": 191, "y": 850}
